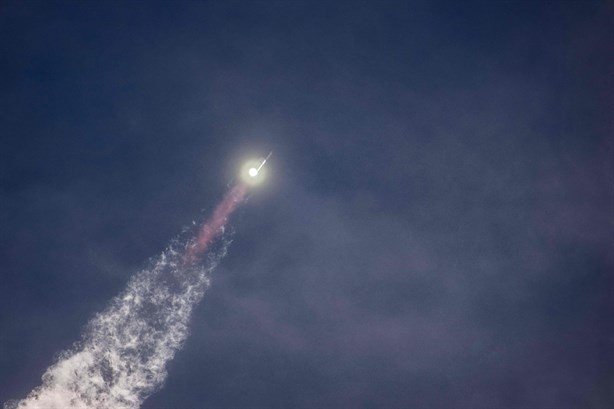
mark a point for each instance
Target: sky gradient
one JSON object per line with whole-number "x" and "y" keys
{"x": 436, "y": 228}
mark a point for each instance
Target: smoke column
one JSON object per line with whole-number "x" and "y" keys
{"x": 122, "y": 356}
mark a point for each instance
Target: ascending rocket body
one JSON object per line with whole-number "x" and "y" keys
{"x": 253, "y": 172}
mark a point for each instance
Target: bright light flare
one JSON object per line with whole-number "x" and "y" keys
{"x": 253, "y": 173}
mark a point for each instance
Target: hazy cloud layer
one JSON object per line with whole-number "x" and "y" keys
{"x": 437, "y": 230}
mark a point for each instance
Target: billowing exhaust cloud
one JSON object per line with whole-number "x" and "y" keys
{"x": 122, "y": 356}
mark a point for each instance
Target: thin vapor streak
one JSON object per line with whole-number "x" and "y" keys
{"x": 124, "y": 350}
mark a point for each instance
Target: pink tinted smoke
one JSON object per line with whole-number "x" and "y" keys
{"x": 214, "y": 226}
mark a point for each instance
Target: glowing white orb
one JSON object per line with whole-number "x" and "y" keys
{"x": 252, "y": 172}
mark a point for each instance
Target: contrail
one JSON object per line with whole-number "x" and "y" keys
{"x": 124, "y": 350}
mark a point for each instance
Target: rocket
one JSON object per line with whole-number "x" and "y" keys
{"x": 253, "y": 171}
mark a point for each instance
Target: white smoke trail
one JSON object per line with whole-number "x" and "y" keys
{"x": 122, "y": 357}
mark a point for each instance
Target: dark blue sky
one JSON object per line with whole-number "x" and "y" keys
{"x": 437, "y": 230}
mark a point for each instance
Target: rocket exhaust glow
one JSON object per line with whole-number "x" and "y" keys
{"x": 213, "y": 228}
{"x": 124, "y": 350}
